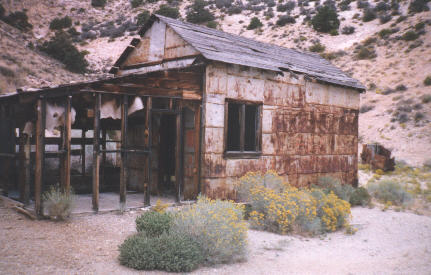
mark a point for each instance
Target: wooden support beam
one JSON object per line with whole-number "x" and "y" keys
{"x": 21, "y": 176}
{"x": 96, "y": 156}
{"x": 83, "y": 132}
{"x": 148, "y": 133}
{"x": 103, "y": 155}
{"x": 123, "y": 171}
{"x": 27, "y": 169}
{"x": 67, "y": 142}
{"x": 40, "y": 152}
{"x": 178, "y": 155}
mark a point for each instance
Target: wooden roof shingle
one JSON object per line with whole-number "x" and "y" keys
{"x": 228, "y": 48}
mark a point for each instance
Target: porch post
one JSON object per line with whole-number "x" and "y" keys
{"x": 96, "y": 156}
{"x": 178, "y": 152}
{"x": 40, "y": 155}
{"x": 123, "y": 173}
{"x": 67, "y": 142}
{"x": 148, "y": 144}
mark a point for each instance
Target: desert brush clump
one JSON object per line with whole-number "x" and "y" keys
{"x": 389, "y": 191}
{"x": 278, "y": 207}
{"x": 154, "y": 223}
{"x": 171, "y": 251}
{"x": 58, "y": 203}
{"x": 208, "y": 232}
{"x": 217, "y": 226}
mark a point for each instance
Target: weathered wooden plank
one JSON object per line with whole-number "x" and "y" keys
{"x": 179, "y": 155}
{"x": 40, "y": 150}
{"x": 123, "y": 168}
{"x": 67, "y": 142}
{"x": 148, "y": 143}
{"x": 96, "y": 148}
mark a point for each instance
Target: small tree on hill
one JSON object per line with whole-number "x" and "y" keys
{"x": 61, "y": 48}
{"x": 197, "y": 12}
{"x": 167, "y": 11}
{"x": 325, "y": 20}
{"x": 254, "y": 23}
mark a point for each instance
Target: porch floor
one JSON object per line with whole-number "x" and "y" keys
{"x": 110, "y": 201}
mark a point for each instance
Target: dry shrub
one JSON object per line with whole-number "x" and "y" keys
{"x": 217, "y": 226}
{"x": 388, "y": 191}
{"x": 291, "y": 209}
{"x": 58, "y": 203}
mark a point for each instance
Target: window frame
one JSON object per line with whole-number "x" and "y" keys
{"x": 258, "y": 135}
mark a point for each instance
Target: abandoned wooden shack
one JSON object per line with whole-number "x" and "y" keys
{"x": 188, "y": 110}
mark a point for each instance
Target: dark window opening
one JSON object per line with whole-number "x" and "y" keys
{"x": 250, "y": 128}
{"x": 243, "y": 128}
{"x": 233, "y": 136}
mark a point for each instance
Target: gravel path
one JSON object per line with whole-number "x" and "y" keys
{"x": 386, "y": 242}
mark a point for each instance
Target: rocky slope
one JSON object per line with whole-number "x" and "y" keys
{"x": 395, "y": 110}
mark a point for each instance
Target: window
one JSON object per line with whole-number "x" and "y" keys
{"x": 242, "y": 129}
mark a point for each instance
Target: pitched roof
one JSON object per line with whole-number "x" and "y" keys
{"x": 224, "y": 47}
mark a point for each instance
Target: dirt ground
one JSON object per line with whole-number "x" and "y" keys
{"x": 386, "y": 242}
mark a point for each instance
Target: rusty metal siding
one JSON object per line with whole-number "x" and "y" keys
{"x": 309, "y": 130}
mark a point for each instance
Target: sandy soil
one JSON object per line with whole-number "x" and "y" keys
{"x": 386, "y": 242}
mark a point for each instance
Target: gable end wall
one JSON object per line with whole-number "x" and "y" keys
{"x": 309, "y": 129}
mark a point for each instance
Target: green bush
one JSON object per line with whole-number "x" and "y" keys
{"x": 409, "y": 36}
{"x": 369, "y": 15}
{"x": 317, "y": 48}
{"x": 427, "y": 81}
{"x": 173, "y": 252}
{"x": 285, "y": 19}
{"x": 417, "y": 6}
{"x": 254, "y": 24}
{"x": 197, "y": 13}
{"x": 325, "y": 20}
{"x": 388, "y": 191}
{"x": 19, "y": 20}
{"x": 217, "y": 226}
{"x": 212, "y": 24}
{"x": 61, "y": 48}
{"x": 98, "y": 3}
{"x": 60, "y": 23}
{"x": 426, "y": 98}
{"x": 58, "y": 203}
{"x": 136, "y": 3}
{"x": 153, "y": 223}
{"x": 142, "y": 18}
{"x": 329, "y": 184}
{"x": 167, "y": 11}
{"x": 365, "y": 53}
{"x": 360, "y": 196}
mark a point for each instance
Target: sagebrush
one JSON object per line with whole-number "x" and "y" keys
{"x": 217, "y": 226}
{"x": 58, "y": 203}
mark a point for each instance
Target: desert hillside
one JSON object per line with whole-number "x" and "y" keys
{"x": 384, "y": 44}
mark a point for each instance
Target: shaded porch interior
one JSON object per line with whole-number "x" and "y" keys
{"x": 107, "y": 140}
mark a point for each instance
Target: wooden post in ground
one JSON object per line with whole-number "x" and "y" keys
{"x": 40, "y": 155}
{"x": 96, "y": 155}
{"x": 123, "y": 173}
{"x": 148, "y": 147}
{"x": 27, "y": 169}
{"x": 21, "y": 163}
{"x": 67, "y": 142}
{"x": 83, "y": 141}
{"x": 178, "y": 153}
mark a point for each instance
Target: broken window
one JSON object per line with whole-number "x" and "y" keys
{"x": 243, "y": 128}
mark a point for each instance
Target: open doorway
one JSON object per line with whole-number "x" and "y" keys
{"x": 167, "y": 155}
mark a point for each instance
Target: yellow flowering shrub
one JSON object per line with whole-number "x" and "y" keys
{"x": 218, "y": 226}
{"x": 160, "y": 207}
{"x": 289, "y": 209}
